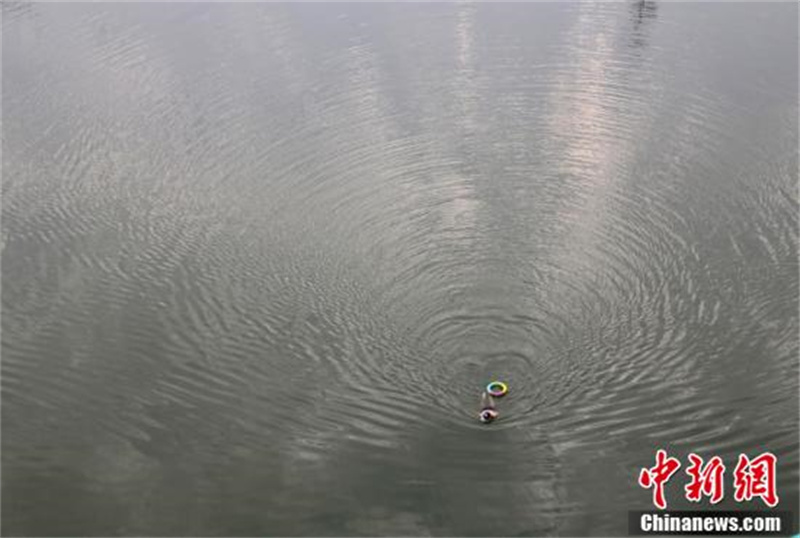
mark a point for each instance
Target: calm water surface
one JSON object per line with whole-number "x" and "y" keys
{"x": 259, "y": 260}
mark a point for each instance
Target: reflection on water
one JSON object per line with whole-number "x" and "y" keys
{"x": 643, "y": 13}
{"x": 259, "y": 261}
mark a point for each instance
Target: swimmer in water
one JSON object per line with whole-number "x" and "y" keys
{"x": 488, "y": 412}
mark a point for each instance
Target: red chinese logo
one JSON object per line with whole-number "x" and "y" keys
{"x": 706, "y": 480}
{"x": 659, "y": 475}
{"x": 756, "y": 478}
{"x": 752, "y": 478}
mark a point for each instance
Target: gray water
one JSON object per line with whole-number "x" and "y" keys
{"x": 259, "y": 261}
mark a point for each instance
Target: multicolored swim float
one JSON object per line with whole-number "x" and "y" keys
{"x": 497, "y": 389}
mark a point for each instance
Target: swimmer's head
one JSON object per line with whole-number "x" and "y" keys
{"x": 487, "y": 415}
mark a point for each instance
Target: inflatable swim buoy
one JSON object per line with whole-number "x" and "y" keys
{"x": 498, "y": 389}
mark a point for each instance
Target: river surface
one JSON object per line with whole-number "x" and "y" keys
{"x": 259, "y": 261}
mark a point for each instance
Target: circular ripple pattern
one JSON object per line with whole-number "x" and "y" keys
{"x": 260, "y": 261}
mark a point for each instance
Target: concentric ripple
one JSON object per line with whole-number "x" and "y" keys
{"x": 260, "y": 260}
